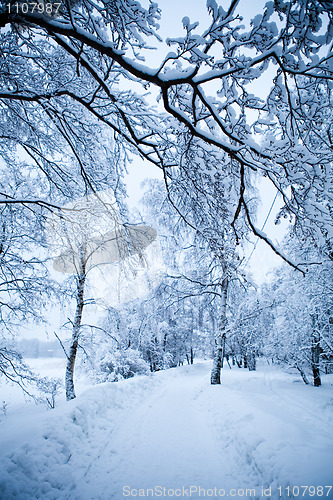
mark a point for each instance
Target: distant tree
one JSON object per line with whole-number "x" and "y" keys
{"x": 300, "y": 329}
{"x": 13, "y": 368}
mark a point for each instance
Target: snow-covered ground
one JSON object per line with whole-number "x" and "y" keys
{"x": 172, "y": 430}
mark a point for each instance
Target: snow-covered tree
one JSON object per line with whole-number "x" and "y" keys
{"x": 25, "y": 284}
{"x": 204, "y": 253}
{"x": 299, "y": 329}
{"x": 88, "y": 54}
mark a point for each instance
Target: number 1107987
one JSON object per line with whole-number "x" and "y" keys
{"x": 304, "y": 491}
{"x": 40, "y": 7}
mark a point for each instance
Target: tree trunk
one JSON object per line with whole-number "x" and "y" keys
{"x": 315, "y": 362}
{"x": 223, "y": 350}
{"x": 239, "y": 362}
{"x": 251, "y": 361}
{"x": 70, "y": 392}
{"x": 315, "y": 354}
{"x": 227, "y": 359}
{"x": 69, "y": 379}
{"x": 302, "y": 373}
{"x": 215, "y": 377}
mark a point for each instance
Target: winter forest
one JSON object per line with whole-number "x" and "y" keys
{"x": 166, "y": 249}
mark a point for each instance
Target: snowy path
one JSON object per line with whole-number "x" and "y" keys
{"x": 174, "y": 430}
{"x": 166, "y": 441}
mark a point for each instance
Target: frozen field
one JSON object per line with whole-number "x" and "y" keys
{"x": 172, "y": 430}
{"x": 14, "y": 398}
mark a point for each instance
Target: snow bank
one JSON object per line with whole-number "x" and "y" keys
{"x": 54, "y": 451}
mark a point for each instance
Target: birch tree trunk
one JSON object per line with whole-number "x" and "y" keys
{"x": 302, "y": 373}
{"x": 69, "y": 379}
{"x": 215, "y": 377}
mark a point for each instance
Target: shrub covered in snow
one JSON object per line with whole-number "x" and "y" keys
{"x": 120, "y": 364}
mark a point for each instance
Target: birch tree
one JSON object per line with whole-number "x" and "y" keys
{"x": 83, "y": 236}
{"x": 208, "y": 248}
